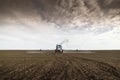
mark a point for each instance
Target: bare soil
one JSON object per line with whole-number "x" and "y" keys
{"x": 69, "y": 66}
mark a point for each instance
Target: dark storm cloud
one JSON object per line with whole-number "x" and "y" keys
{"x": 59, "y": 6}
{"x": 109, "y": 4}
{"x": 64, "y": 13}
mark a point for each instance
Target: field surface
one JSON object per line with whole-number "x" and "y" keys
{"x": 46, "y": 65}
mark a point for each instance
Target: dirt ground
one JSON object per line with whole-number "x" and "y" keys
{"x": 20, "y": 65}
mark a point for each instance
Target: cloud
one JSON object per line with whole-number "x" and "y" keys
{"x": 65, "y": 14}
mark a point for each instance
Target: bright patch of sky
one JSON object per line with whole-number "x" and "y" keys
{"x": 20, "y": 37}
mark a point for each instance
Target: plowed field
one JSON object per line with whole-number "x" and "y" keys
{"x": 69, "y": 66}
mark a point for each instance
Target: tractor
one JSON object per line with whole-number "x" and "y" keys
{"x": 58, "y": 49}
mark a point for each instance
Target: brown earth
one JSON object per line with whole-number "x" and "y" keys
{"x": 92, "y": 66}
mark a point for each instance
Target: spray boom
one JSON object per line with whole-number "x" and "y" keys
{"x": 65, "y": 41}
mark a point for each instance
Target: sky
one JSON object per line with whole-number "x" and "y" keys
{"x": 41, "y": 24}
